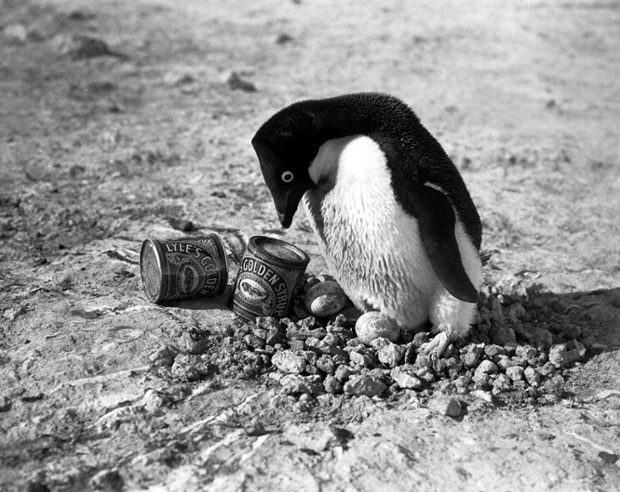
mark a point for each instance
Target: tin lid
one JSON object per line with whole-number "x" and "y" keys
{"x": 278, "y": 252}
{"x": 151, "y": 270}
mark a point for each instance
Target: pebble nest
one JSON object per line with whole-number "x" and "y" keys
{"x": 522, "y": 348}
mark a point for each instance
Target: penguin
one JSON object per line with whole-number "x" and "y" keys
{"x": 392, "y": 215}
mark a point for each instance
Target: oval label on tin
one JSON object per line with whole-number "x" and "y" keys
{"x": 261, "y": 289}
{"x": 252, "y": 291}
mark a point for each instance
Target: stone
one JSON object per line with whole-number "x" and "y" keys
{"x": 190, "y": 367}
{"x": 332, "y": 385}
{"x": 493, "y": 350}
{"x": 254, "y": 341}
{"x": 388, "y": 353}
{"x": 289, "y": 361}
{"x": 532, "y": 376}
{"x": 405, "y": 377}
{"x": 526, "y": 352}
{"x": 373, "y": 325}
{"x": 515, "y": 373}
{"x": 503, "y": 335}
{"x": 364, "y": 385}
{"x": 80, "y": 46}
{"x": 425, "y": 374}
{"x": 558, "y": 355}
{"x": 360, "y": 359}
{"x": 344, "y": 372}
{"x": 486, "y": 367}
{"x": 547, "y": 369}
{"x": 325, "y": 364}
{"x": 107, "y": 480}
{"x": 164, "y": 357}
{"x": 325, "y": 299}
{"x": 445, "y": 405}
{"x": 153, "y": 400}
{"x": 577, "y": 354}
{"x": 515, "y": 312}
{"x": 472, "y": 355}
{"x": 236, "y": 82}
{"x": 295, "y": 384}
{"x": 572, "y": 332}
{"x": 501, "y": 384}
{"x": 554, "y": 385}
{"x": 423, "y": 360}
{"x": 303, "y": 331}
{"x": 481, "y": 380}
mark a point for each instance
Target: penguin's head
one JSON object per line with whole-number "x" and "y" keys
{"x": 285, "y": 146}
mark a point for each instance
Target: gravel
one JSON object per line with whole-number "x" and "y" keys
{"x": 314, "y": 356}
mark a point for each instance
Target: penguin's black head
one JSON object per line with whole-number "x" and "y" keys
{"x": 286, "y": 145}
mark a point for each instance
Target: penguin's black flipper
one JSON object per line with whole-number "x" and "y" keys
{"x": 437, "y": 220}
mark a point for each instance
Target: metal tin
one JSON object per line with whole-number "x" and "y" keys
{"x": 269, "y": 273}
{"x": 183, "y": 267}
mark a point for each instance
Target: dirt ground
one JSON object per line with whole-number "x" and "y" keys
{"x": 103, "y": 145}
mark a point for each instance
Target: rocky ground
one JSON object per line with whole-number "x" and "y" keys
{"x": 127, "y": 120}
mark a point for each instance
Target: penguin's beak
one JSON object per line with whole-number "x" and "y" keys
{"x": 284, "y": 220}
{"x": 288, "y": 203}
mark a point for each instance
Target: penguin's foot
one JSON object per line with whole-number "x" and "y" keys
{"x": 437, "y": 346}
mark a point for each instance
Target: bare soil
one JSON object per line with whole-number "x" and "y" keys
{"x": 103, "y": 145}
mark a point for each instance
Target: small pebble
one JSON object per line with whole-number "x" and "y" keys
{"x": 532, "y": 376}
{"x": 295, "y": 384}
{"x": 558, "y": 355}
{"x": 325, "y": 364}
{"x": 388, "y": 353}
{"x": 405, "y": 377}
{"x": 526, "y": 352}
{"x": 332, "y": 385}
{"x": 373, "y": 325}
{"x": 486, "y": 367}
{"x": 344, "y": 372}
{"x": 289, "y": 361}
{"x": 515, "y": 373}
{"x": 445, "y": 405}
{"x": 364, "y": 385}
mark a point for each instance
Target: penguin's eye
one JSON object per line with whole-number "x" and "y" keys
{"x": 287, "y": 176}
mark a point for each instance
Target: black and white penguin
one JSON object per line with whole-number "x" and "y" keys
{"x": 394, "y": 220}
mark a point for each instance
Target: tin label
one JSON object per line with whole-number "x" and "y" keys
{"x": 261, "y": 289}
{"x": 195, "y": 267}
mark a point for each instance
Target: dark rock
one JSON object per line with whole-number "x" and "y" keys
{"x": 236, "y": 82}
{"x": 502, "y": 335}
{"x": 80, "y": 46}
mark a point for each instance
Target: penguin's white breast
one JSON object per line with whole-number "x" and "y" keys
{"x": 369, "y": 242}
